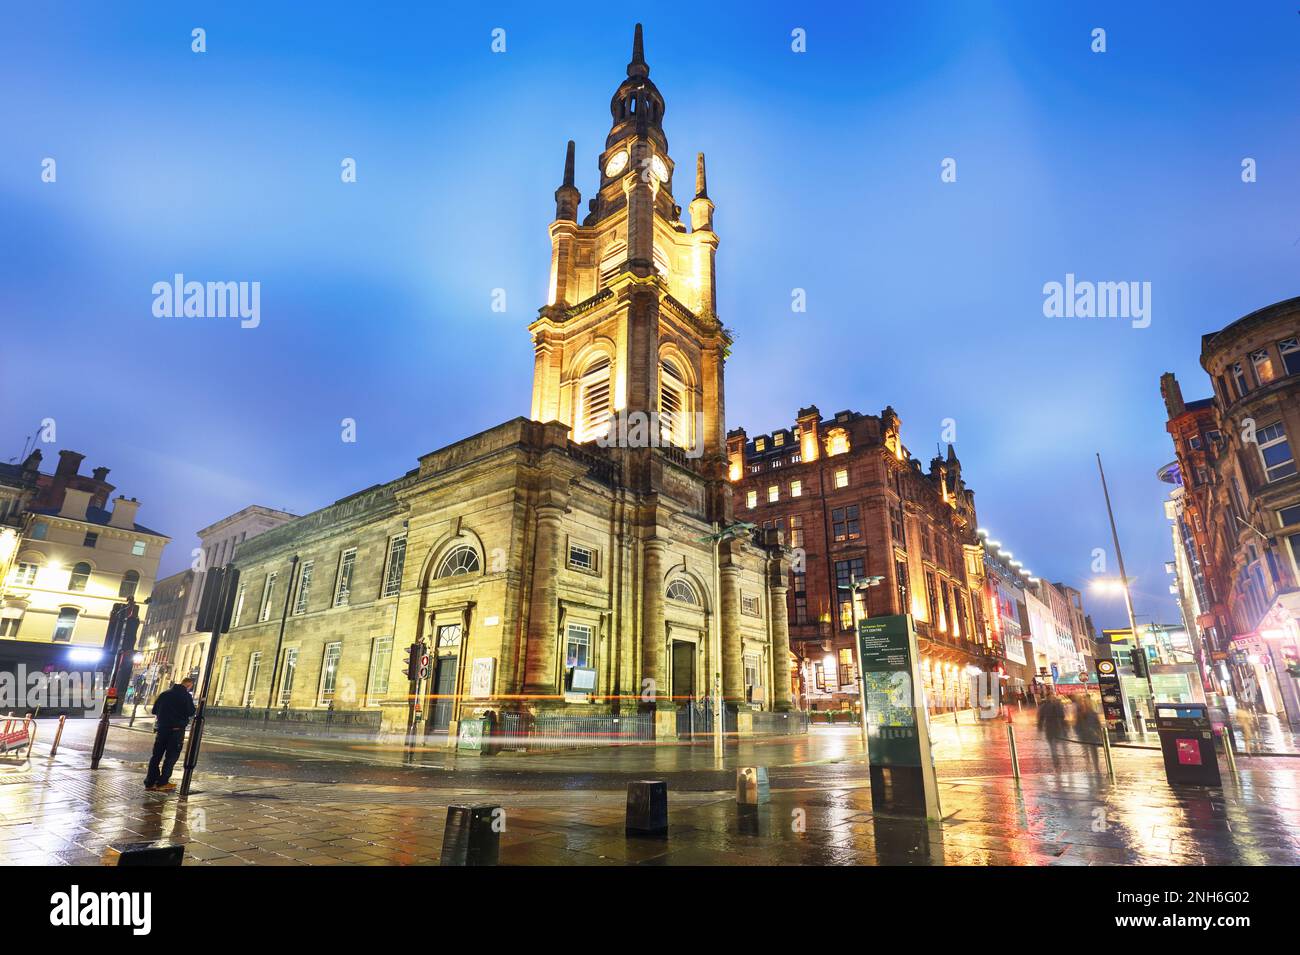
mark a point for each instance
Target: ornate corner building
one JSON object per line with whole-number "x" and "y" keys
{"x": 561, "y": 563}
{"x": 1238, "y": 516}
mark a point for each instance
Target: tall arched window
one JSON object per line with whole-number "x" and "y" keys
{"x": 594, "y": 400}
{"x": 130, "y": 581}
{"x": 674, "y": 405}
{"x": 459, "y": 561}
{"x": 67, "y": 623}
{"x": 80, "y": 577}
{"x": 679, "y": 589}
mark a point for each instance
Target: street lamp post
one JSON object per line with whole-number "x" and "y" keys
{"x": 856, "y": 586}
{"x": 1128, "y": 597}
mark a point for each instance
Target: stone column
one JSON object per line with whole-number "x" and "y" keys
{"x": 780, "y": 648}
{"x": 652, "y": 620}
{"x": 733, "y": 672}
{"x": 541, "y": 675}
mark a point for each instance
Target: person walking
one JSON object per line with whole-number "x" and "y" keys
{"x": 1087, "y": 723}
{"x": 1051, "y": 723}
{"x": 173, "y": 710}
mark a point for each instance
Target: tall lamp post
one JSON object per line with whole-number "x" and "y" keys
{"x": 860, "y": 585}
{"x": 720, "y": 534}
{"x": 1128, "y": 597}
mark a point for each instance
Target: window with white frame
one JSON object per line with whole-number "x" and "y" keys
{"x": 1290, "y": 351}
{"x": 304, "y": 586}
{"x": 679, "y": 589}
{"x": 842, "y": 477}
{"x": 221, "y": 679}
{"x": 1288, "y": 516}
{"x": 381, "y": 662}
{"x": 268, "y": 590}
{"x": 582, "y": 557}
{"x": 25, "y": 574}
{"x": 239, "y": 606}
{"x": 250, "y": 683}
{"x": 1263, "y": 363}
{"x": 343, "y": 586}
{"x": 1275, "y": 452}
{"x": 773, "y": 493}
{"x": 753, "y": 674}
{"x": 796, "y": 488}
{"x": 66, "y": 624}
{"x": 577, "y": 645}
{"x": 1239, "y": 378}
{"x": 749, "y": 605}
{"x": 289, "y": 671}
{"x": 459, "y": 561}
{"x": 80, "y": 577}
{"x": 138, "y": 549}
{"x": 396, "y": 564}
{"x": 329, "y": 672}
{"x": 594, "y": 400}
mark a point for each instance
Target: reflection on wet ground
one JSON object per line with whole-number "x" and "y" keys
{"x": 327, "y": 811}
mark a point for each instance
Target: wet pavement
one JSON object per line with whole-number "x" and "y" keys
{"x": 328, "y": 803}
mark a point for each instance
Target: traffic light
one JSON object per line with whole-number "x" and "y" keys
{"x": 1140, "y": 663}
{"x": 417, "y": 662}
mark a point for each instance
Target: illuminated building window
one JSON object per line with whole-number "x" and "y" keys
{"x": 842, "y": 477}
{"x": 837, "y": 442}
{"x": 760, "y": 444}
{"x": 901, "y": 582}
{"x": 1263, "y": 363}
{"x": 796, "y": 530}
{"x": 329, "y": 672}
{"x": 773, "y": 494}
{"x": 751, "y": 499}
{"x": 674, "y": 411}
{"x": 25, "y": 574}
{"x": 848, "y": 675}
{"x": 796, "y": 488}
{"x": 577, "y": 645}
{"x": 753, "y": 674}
{"x": 778, "y": 439}
{"x": 593, "y": 402}
{"x": 846, "y": 572}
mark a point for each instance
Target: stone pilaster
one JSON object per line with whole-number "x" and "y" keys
{"x": 780, "y": 648}
{"x": 652, "y": 620}
{"x": 733, "y": 674}
{"x": 542, "y": 676}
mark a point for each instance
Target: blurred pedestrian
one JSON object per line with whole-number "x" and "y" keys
{"x": 1087, "y": 723}
{"x": 1051, "y": 723}
{"x": 173, "y": 710}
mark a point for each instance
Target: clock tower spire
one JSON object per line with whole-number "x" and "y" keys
{"x": 630, "y": 323}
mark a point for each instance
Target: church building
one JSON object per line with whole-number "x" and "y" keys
{"x": 568, "y": 562}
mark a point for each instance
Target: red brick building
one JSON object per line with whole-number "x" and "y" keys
{"x": 852, "y": 502}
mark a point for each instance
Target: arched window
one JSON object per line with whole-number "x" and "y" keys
{"x": 460, "y": 560}
{"x": 594, "y": 400}
{"x": 679, "y": 589}
{"x": 130, "y": 581}
{"x": 80, "y": 577}
{"x": 67, "y": 623}
{"x": 674, "y": 405}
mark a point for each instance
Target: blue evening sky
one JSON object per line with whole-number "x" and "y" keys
{"x": 376, "y": 296}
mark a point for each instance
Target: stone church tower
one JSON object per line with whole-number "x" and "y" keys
{"x": 560, "y": 563}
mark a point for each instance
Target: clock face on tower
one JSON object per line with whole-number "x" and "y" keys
{"x": 659, "y": 169}
{"x": 616, "y": 164}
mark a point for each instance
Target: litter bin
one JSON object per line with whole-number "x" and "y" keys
{"x": 1187, "y": 743}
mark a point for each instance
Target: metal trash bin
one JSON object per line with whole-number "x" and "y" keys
{"x": 1187, "y": 744}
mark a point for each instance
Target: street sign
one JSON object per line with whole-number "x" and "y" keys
{"x": 898, "y": 730}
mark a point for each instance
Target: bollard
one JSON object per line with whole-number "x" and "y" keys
{"x": 752, "y": 787}
{"x": 470, "y": 837}
{"x": 144, "y": 853}
{"x": 58, "y": 735}
{"x": 1105, "y": 746}
{"x": 647, "y": 808}
{"x": 1227, "y": 750}
{"x": 1015, "y": 755}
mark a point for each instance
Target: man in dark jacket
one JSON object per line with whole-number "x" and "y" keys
{"x": 1051, "y": 722}
{"x": 173, "y": 710}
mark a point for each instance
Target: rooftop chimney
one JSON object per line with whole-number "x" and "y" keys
{"x": 69, "y": 463}
{"x": 74, "y": 501}
{"x": 100, "y": 473}
{"x": 124, "y": 512}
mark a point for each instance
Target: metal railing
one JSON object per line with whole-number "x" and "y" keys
{"x": 522, "y": 731}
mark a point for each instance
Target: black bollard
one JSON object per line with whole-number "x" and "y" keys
{"x": 144, "y": 853}
{"x": 647, "y": 808}
{"x": 470, "y": 837}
